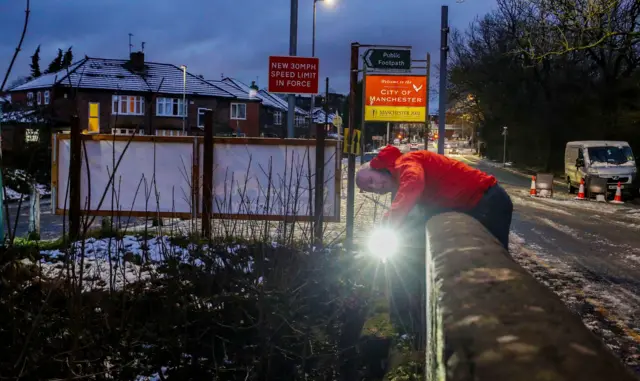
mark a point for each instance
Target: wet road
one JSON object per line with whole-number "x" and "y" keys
{"x": 586, "y": 252}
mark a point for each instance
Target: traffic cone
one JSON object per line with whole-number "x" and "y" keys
{"x": 532, "y": 191}
{"x": 617, "y": 199}
{"x": 581, "y": 191}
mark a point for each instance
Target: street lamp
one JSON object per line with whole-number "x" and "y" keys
{"x": 184, "y": 98}
{"x": 313, "y": 53}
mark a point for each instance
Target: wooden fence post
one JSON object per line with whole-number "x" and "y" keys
{"x": 75, "y": 167}
{"x": 207, "y": 174}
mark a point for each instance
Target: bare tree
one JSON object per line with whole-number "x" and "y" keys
{"x": 19, "y": 47}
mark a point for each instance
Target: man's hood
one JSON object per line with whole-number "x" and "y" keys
{"x": 386, "y": 159}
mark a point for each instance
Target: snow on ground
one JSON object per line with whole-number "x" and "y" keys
{"x": 606, "y": 309}
{"x": 111, "y": 263}
{"x": 12, "y": 195}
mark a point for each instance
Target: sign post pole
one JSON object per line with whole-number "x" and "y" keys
{"x": 444, "y": 48}
{"x": 362, "y": 120}
{"x": 351, "y": 163}
{"x": 427, "y": 121}
{"x": 319, "y": 185}
{"x": 388, "y": 133}
{"x": 293, "y": 50}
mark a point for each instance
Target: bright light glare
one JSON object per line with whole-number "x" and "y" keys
{"x": 383, "y": 243}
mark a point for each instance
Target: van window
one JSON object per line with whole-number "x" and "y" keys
{"x": 581, "y": 154}
{"x": 610, "y": 155}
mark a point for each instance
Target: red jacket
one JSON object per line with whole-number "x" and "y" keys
{"x": 430, "y": 179}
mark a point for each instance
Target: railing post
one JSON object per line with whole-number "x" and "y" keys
{"x": 207, "y": 174}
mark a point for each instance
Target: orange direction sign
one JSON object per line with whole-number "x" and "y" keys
{"x": 395, "y": 98}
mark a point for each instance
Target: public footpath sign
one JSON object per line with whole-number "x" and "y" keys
{"x": 388, "y": 59}
{"x": 293, "y": 75}
{"x": 395, "y": 98}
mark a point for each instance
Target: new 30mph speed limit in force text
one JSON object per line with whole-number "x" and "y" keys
{"x": 293, "y": 75}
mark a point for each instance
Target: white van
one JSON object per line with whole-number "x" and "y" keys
{"x": 612, "y": 160}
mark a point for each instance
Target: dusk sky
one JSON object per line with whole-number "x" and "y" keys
{"x": 226, "y": 37}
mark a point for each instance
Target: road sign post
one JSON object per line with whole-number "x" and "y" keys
{"x": 362, "y": 112}
{"x": 388, "y": 59}
{"x": 351, "y": 162}
{"x": 444, "y": 49}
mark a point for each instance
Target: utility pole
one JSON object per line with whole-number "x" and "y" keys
{"x": 444, "y": 49}
{"x": 427, "y": 122}
{"x": 293, "y": 50}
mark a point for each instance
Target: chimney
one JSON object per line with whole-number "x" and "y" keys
{"x": 136, "y": 61}
{"x": 253, "y": 89}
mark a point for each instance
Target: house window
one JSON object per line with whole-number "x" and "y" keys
{"x": 127, "y": 105}
{"x": 46, "y": 97}
{"x": 31, "y": 135}
{"x": 170, "y": 133}
{"x": 29, "y": 99}
{"x": 300, "y": 121}
{"x": 39, "y": 98}
{"x": 277, "y": 118}
{"x": 170, "y": 107}
{"x": 201, "y": 113}
{"x": 238, "y": 111}
{"x": 126, "y": 131}
{"x": 93, "y": 125}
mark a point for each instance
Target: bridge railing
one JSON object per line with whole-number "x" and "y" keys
{"x": 487, "y": 319}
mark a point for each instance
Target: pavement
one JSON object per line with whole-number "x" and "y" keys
{"x": 586, "y": 252}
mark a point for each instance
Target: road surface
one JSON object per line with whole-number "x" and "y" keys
{"x": 586, "y": 252}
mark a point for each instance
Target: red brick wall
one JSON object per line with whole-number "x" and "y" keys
{"x": 250, "y": 126}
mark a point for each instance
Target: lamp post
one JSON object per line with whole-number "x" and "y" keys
{"x": 313, "y": 53}
{"x": 184, "y": 99}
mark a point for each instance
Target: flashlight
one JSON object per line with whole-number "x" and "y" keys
{"x": 383, "y": 243}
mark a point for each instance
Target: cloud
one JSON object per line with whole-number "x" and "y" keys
{"x": 234, "y": 38}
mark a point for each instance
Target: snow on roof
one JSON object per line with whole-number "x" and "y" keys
{"x": 264, "y": 96}
{"x": 28, "y": 116}
{"x": 284, "y": 106}
{"x": 319, "y": 116}
{"x": 48, "y": 80}
{"x": 114, "y": 74}
{"x": 239, "y": 93}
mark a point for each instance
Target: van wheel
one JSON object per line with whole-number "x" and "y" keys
{"x": 570, "y": 188}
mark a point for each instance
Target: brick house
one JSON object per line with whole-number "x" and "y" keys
{"x": 123, "y": 96}
{"x": 273, "y": 110}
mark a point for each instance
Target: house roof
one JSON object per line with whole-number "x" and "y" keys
{"x": 115, "y": 74}
{"x": 238, "y": 93}
{"x": 28, "y": 116}
{"x": 319, "y": 115}
{"x": 262, "y": 95}
{"x": 284, "y": 106}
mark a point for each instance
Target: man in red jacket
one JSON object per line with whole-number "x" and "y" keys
{"x": 439, "y": 183}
